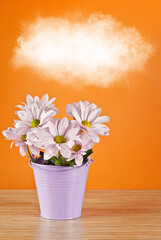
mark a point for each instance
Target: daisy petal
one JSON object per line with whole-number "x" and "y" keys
{"x": 53, "y": 128}
{"x": 76, "y": 115}
{"x": 51, "y": 101}
{"x": 23, "y": 117}
{"x": 44, "y": 99}
{"x": 23, "y": 149}
{"x": 65, "y": 151}
{"x": 93, "y": 135}
{"x": 47, "y": 154}
{"x": 54, "y": 150}
{"x": 79, "y": 159}
{"x": 69, "y": 109}
{"x": 35, "y": 111}
{"x": 102, "y": 119}
{"x": 35, "y": 150}
{"x": 50, "y": 151}
{"x": 86, "y": 104}
{"x": 20, "y": 107}
{"x": 11, "y": 134}
{"x": 19, "y": 143}
{"x": 82, "y": 108}
{"x": 90, "y": 108}
{"x": 29, "y": 99}
{"x": 101, "y": 129}
{"x": 71, "y": 133}
{"x": 62, "y": 126}
{"x": 36, "y": 99}
{"x": 94, "y": 114}
{"x": 46, "y": 116}
{"x": 22, "y": 127}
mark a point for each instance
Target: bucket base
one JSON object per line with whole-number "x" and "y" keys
{"x": 52, "y": 218}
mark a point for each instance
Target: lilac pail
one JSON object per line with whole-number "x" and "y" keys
{"x": 60, "y": 189}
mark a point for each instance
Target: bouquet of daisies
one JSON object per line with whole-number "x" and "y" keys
{"x": 56, "y": 141}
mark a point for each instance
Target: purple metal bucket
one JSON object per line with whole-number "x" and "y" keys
{"x": 60, "y": 189}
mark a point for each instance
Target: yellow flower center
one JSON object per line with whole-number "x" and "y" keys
{"x": 86, "y": 124}
{"x": 23, "y": 137}
{"x": 35, "y": 123}
{"x": 60, "y": 139}
{"x": 76, "y": 148}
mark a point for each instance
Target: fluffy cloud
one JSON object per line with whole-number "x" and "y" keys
{"x": 95, "y": 51}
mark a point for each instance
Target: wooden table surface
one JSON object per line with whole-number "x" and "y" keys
{"x": 107, "y": 214}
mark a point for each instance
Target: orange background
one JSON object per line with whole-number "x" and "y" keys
{"x": 130, "y": 157}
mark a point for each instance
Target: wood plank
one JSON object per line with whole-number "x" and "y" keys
{"x": 107, "y": 214}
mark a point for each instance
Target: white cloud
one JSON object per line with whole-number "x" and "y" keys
{"x": 97, "y": 51}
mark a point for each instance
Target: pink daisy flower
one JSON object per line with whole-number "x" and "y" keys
{"x": 87, "y": 117}
{"x": 36, "y": 113}
{"x": 19, "y": 140}
{"x": 60, "y": 136}
{"x": 80, "y": 148}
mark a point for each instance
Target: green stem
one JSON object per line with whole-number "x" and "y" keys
{"x": 62, "y": 160}
{"x": 30, "y": 154}
{"x": 59, "y": 154}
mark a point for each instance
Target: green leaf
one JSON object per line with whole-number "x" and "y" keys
{"x": 88, "y": 153}
{"x": 57, "y": 162}
{"x": 62, "y": 160}
{"x": 48, "y": 162}
{"x": 72, "y": 162}
{"x": 53, "y": 158}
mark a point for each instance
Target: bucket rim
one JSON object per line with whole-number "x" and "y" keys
{"x": 57, "y": 168}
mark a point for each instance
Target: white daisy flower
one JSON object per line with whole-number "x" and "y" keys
{"x": 36, "y": 113}
{"x": 19, "y": 140}
{"x": 87, "y": 117}
{"x": 60, "y": 136}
